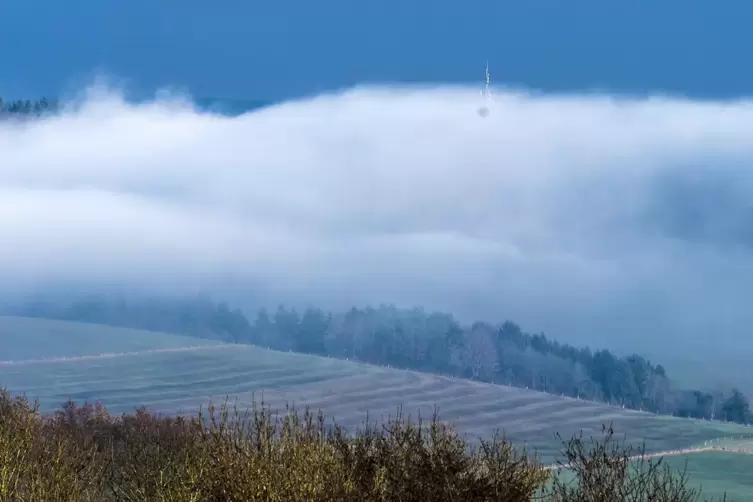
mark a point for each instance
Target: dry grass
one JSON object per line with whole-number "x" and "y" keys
{"x": 84, "y": 453}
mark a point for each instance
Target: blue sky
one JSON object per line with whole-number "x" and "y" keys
{"x": 273, "y": 50}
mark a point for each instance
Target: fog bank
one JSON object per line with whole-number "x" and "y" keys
{"x": 614, "y": 222}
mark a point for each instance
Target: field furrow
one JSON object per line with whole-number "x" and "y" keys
{"x": 169, "y": 377}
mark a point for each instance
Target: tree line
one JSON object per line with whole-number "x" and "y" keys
{"x": 419, "y": 340}
{"x": 25, "y": 108}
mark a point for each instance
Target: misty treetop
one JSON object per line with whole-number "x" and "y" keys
{"x": 419, "y": 340}
{"x": 24, "y": 108}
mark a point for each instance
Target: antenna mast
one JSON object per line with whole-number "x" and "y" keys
{"x": 485, "y": 94}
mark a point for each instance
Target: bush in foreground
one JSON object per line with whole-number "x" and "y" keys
{"x": 607, "y": 470}
{"x": 86, "y": 454}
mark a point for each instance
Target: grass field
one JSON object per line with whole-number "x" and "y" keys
{"x": 181, "y": 380}
{"x": 714, "y": 473}
{"x": 26, "y": 338}
{"x": 718, "y": 472}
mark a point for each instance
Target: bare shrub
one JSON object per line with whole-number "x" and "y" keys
{"x": 608, "y": 470}
{"x": 83, "y": 453}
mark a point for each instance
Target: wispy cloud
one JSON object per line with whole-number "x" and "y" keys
{"x": 627, "y": 220}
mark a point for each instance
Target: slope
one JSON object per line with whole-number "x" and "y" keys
{"x": 32, "y": 338}
{"x": 175, "y": 380}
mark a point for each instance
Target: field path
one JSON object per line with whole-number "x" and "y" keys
{"x": 110, "y": 355}
{"x": 683, "y": 451}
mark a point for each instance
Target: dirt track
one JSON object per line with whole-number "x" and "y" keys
{"x": 684, "y": 451}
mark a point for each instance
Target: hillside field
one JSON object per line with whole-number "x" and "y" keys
{"x": 181, "y": 380}
{"x": 718, "y": 472}
{"x": 715, "y": 473}
{"x": 27, "y": 338}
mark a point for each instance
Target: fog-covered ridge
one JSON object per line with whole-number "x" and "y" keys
{"x": 588, "y": 217}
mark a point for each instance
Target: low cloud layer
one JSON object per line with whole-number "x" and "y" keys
{"x": 623, "y": 223}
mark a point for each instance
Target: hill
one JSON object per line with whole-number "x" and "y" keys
{"x": 415, "y": 339}
{"x": 25, "y": 338}
{"x": 166, "y": 377}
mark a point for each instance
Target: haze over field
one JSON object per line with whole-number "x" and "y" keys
{"x": 613, "y": 222}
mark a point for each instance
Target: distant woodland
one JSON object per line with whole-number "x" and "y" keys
{"x": 25, "y": 108}
{"x": 418, "y": 340}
